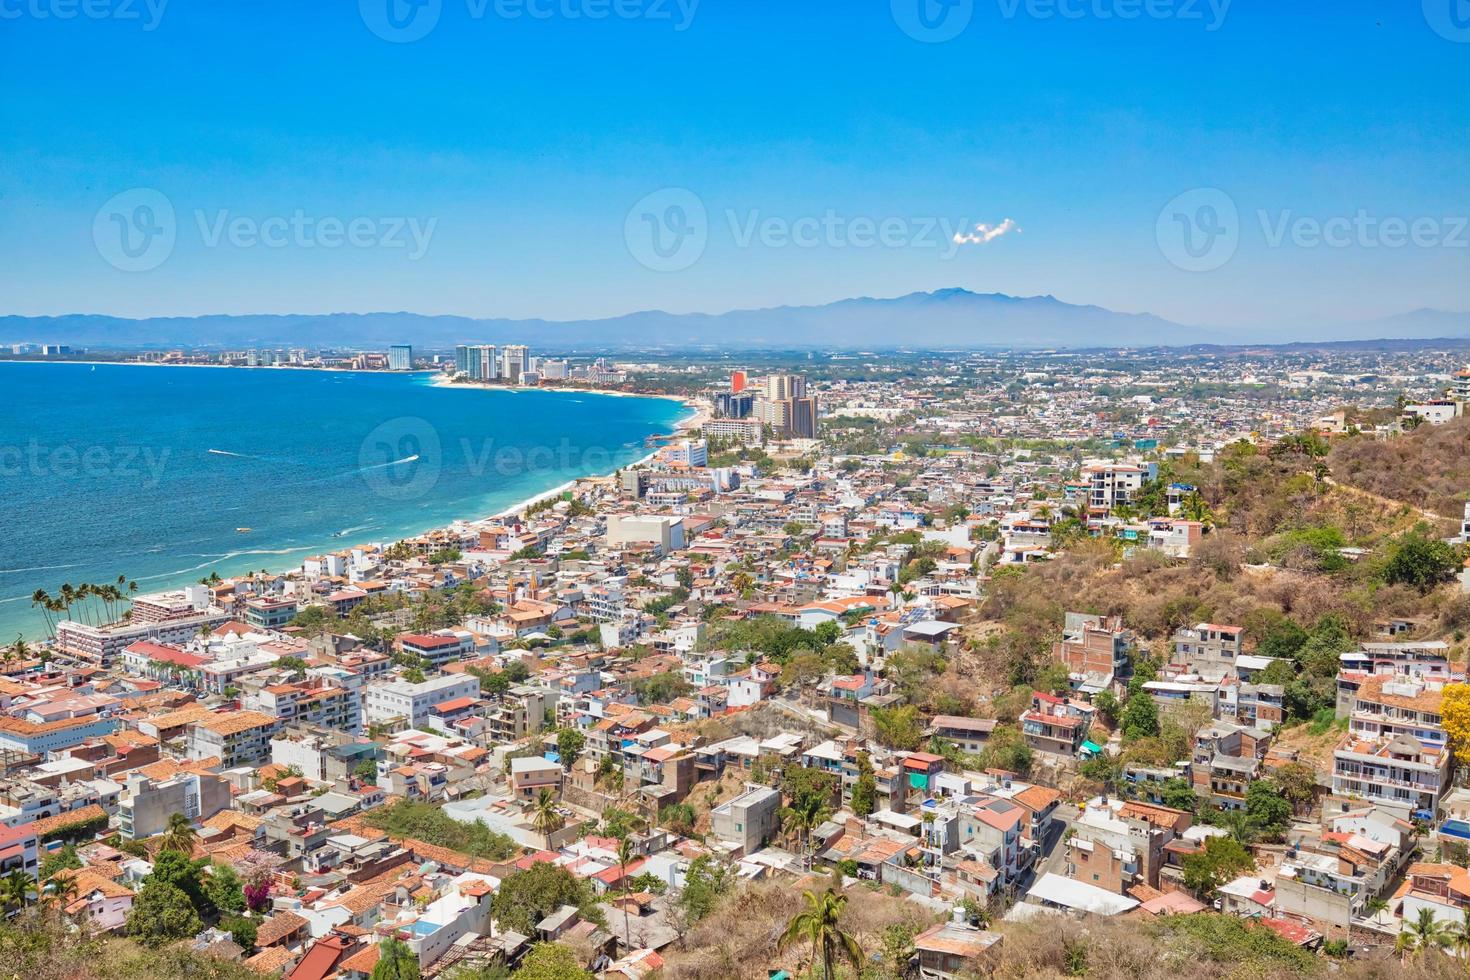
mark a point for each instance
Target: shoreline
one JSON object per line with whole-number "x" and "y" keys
{"x": 696, "y": 414}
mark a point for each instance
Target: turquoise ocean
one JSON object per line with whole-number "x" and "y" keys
{"x": 166, "y": 474}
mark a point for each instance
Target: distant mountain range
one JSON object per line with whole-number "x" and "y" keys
{"x": 941, "y": 319}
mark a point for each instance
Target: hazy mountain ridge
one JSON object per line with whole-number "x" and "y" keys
{"x": 943, "y": 318}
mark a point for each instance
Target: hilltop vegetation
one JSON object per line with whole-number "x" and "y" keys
{"x": 1305, "y": 566}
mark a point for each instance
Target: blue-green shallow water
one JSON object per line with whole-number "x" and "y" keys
{"x": 147, "y": 472}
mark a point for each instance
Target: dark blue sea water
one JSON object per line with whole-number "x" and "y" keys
{"x": 148, "y": 472}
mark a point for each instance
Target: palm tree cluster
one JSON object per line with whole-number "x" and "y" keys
{"x": 1426, "y": 932}
{"x": 96, "y": 604}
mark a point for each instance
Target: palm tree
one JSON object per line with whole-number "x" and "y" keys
{"x": 180, "y": 835}
{"x": 809, "y": 811}
{"x": 625, "y": 854}
{"x": 42, "y": 598}
{"x": 1459, "y": 934}
{"x": 1423, "y": 933}
{"x": 61, "y": 888}
{"x": 818, "y": 924}
{"x": 16, "y": 890}
{"x": 547, "y": 818}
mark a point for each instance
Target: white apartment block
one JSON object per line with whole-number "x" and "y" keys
{"x": 400, "y": 701}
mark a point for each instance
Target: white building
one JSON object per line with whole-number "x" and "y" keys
{"x": 398, "y": 699}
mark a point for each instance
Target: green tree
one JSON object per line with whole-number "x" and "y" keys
{"x": 367, "y": 771}
{"x": 1267, "y": 808}
{"x": 60, "y": 860}
{"x": 162, "y": 913}
{"x": 819, "y": 923}
{"x": 807, "y": 813}
{"x": 546, "y": 817}
{"x": 898, "y": 727}
{"x": 242, "y": 930}
{"x": 1422, "y": 933}
{"x": 1297, "y": 782}
{"x": 17, "y": 889}
{"x": 551, "y": 961}
{"x": 828, "y": 632}
{"x": 1222, "y": 859}
{"x": 1418, "y": 560}
{"x": 179, "y": 835}
{"x": 705, "y": 883}
{"x": 865, "y": 790}
{"x": 678, "y": 817}
{"x": 175, "y": 869}
{"x": 1179, "y": 794}
{"x": 527, "y": 897}
{"x": 396, "y": 961}
{"x": 569, "y": 745}
{"x": 1140, "y": 718}
{"x": 224, "y": 890}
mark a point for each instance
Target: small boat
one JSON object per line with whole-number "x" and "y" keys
{"x": 243, "y": 530}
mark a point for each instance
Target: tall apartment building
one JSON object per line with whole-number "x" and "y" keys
{"x": 400, "y": 357}
{"x": 734, "y": 404}
{"x": 477, "y": 362}
{"x": 786, "y": 406}
{"x": 513, "y": 362}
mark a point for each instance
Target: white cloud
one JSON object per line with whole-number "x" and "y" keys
{"x": 984, "y": 234}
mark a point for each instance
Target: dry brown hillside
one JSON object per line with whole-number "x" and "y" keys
{"x": 1427, "y": 468}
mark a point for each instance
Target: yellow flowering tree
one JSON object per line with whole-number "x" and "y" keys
{"x": 1455, "y": 710}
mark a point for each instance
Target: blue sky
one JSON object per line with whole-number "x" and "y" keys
{"x": 520, "y": 146}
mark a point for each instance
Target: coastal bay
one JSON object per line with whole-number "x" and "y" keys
{"x": 166, "y": 475}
